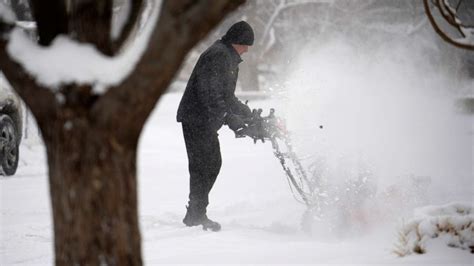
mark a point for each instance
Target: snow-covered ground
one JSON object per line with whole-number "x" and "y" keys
{"x": 251, "y": 199}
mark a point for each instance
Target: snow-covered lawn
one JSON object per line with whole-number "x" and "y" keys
{"x": 251, "y": 199}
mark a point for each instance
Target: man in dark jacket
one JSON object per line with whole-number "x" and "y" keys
{"x": 208, "y": 103}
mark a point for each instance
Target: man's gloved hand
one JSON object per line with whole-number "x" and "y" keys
{"x": 241, "y": 109}
{"x": 235, "y": 122}
{"x": 246, "y": 112}
{"x": 255, "y": 131}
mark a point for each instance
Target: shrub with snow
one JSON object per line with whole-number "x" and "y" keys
{"x": 454, "y": 223}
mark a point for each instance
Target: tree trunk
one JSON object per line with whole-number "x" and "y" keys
{"x": 94, "y": 195}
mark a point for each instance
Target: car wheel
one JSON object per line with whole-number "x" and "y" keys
{"x": 9, "y": 153}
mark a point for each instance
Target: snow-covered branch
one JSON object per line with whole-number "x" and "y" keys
{"x": 450, "y": 15}
{"x": 282, "y": 6}
{"x": 67, "y": 61}
{"x": 269, "y": 24}
{"x": 23, "y": 83}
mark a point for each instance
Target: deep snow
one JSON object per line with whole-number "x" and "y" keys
{"x": 251, "y": 199}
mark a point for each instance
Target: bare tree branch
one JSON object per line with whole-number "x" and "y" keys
{"x": 282, "y": 6}
{"x": 46, "y": 109}
{"x": 441, "y": 33}
{"x": 446, "y": 12}
{"x": 449, "y": 16}
{"x": 133, "y": 17}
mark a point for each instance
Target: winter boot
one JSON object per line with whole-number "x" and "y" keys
{"x": 194, "y": 218}
{"x": 210, "y": 224}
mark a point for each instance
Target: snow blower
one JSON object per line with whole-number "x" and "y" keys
{"x": 273, "y": 128}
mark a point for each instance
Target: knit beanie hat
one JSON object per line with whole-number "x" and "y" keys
{"x": 239, "y": 33}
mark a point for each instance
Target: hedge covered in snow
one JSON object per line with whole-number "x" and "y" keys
{"x": 454, "y": 223}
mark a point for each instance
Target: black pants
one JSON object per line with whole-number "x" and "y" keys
{"x": 204, "y": 157}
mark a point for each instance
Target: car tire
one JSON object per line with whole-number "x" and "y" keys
{"x": 9, "y": 153}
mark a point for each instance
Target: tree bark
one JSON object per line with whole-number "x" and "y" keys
{"x": 90, "y": 21}
{"x": 93, "y": 193}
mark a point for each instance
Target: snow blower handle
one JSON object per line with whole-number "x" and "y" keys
{"x": 261, "y": 128}
{"x": 273, "y": 128}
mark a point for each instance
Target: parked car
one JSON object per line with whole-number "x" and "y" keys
{"x": 11, "y": 128}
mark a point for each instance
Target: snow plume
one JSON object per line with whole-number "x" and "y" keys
{"x": 382, "y": 116}
{"x": 67, "y": 61}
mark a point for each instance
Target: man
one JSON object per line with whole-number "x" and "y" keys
{"x": 208, "y": 103}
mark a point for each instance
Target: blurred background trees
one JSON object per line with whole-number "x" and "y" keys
{"x": 283, "y": 27}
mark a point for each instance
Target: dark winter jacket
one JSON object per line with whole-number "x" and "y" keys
{"x": 209, "y": 96}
